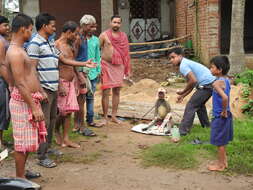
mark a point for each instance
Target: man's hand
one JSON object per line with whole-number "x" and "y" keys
{"x": 37, "y": 114}
{"x": 44, "y": 97}
{"x": 180, "y": 99}
{"x": 224, "y": 114}
{"x": 90, "y": 64}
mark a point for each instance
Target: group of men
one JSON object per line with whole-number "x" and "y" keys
{"x": 49, "y": 80}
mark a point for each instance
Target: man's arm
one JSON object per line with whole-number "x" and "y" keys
{"x": 101, "y": 40}
{"x": 218, "y": 86}
{"x": 191, "y": 82}
{"x": 98, "y": 57}
{"x": 72, "y": 62}
{"x": 16, "y": 60}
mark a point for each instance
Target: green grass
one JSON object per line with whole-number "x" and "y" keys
{"x": 184, "y": 155}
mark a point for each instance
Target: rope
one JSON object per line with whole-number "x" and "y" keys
{"x": 153, "y": 50}
{"x": 159, "y": 42}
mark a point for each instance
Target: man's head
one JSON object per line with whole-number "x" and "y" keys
{"x": 23, "y": 25}
{"x": 4, "y": 25}
{"x": 70, "y": 29}
{"x": 175, "y": 56}
{"x": 115, "y": 23}
{"x": 88, "y": 24}
{"x": 45, "y": 22}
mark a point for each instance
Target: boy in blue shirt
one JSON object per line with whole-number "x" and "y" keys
{"x": 198, "y": 76}
{"x": 222, "y": 124}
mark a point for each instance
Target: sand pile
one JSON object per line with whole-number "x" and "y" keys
{"x": 145, "y": 91}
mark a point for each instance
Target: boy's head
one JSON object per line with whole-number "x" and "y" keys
{"x": 70, "y": 28}
{"x": 219, "y": 65}
{"x": 45, "y": 22}
{"x": 4, "y": 25}
{"x": 175, "y": 56}
{"x": 23, "y": 24}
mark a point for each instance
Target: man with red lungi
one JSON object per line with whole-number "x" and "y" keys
{"x": 26, "y": 115}
{"x": 115, "y": 66}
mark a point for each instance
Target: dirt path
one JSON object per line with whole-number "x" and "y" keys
{"x": 118, "y": 167}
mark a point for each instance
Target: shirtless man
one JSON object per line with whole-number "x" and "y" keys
{"x": 115, "y": 66}
{"x": 4, "y": 94}
{"x": 67, "y": 98}
{"x": 26, "y": 114}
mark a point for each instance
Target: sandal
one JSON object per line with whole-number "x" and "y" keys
{"x": 32, "y": 175}
{"x": 47, "y": 163}
{"x": 87, "y": 132}
{"x": 95, "y": 125}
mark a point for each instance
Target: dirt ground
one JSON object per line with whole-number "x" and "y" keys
{"x": 115, "y": 153}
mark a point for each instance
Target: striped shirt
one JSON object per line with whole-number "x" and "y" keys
{"x": 48, "y": 55}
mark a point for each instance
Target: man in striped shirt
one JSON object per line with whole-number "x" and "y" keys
{"x": 46, "y": 56}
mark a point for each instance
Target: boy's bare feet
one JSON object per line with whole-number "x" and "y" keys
{"x": 115, "y": 120}
{"x": 216, "y": 167}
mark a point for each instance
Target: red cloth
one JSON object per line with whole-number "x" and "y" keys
{"x": 120, "y": 50}
{"x": 67, "y": 104}
{"x": 27, "y": 133}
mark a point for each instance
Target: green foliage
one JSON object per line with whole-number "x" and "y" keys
{"x": 184, "y": 155}
{"x": 245, "y": 77}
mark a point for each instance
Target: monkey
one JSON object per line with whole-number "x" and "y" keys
{"x": 162, "y": 116}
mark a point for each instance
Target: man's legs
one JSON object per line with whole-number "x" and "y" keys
{"x": 49, "y": 109}
{"x": 90, "y": 102}
{"x": 79, "y": 115}
{"x": 115, "y": 104}
{"x": 203, "y": 116}
{"x": 105, "y": 105}
{"x": 198, "y": 99}
{"x": 20, "y": 160}
{"x": 66, "y": 126}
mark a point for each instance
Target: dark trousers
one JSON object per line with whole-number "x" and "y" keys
{"x": 196, "y": 104}
{"x": 90, "y": 102}
{"x": 4, "y": 105}
{"x": 50, "y": 111}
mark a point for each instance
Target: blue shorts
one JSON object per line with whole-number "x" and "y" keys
{"x": 222, "y": 130}
{"x": 4, "y": 105}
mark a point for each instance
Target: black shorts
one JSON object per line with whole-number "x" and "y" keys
{"x": 4, "y": 105}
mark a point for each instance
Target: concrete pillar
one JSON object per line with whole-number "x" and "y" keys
{"x": 106, "y": 13}
{"x": 31, "y": 7}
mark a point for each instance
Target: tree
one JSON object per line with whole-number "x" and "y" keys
{"x": 236, "y": 52}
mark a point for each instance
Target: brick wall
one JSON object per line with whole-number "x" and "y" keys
{"x": 200, "y": 18}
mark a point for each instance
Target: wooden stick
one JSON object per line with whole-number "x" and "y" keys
{"x": 153, "y": 50}
{"x": 159, "y": 42}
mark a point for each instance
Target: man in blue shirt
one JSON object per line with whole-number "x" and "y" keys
{"x": 198, "y": 76}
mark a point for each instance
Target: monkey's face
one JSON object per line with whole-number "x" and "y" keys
{"x": 161, "y": 95}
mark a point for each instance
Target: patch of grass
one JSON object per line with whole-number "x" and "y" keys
{"x": 185, "y": 155}
{"x": 84, "y": 159}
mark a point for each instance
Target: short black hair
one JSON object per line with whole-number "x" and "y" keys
{"x": 176, "y": 50}
{"x": 21, "y": 20}
{"x": 69, "y": 25}
{"x": 116, "y": 16}
{"x": 222, "y": 63}
{"x": 3, "y": 19}
{"x": 43, "y": 18}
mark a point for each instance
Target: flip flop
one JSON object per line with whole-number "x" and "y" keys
{"x": 32, "y": 175}
{"x": 47, "y": 163}
{"x": 87, "y": 132}
{"x": 95, "y": 125}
